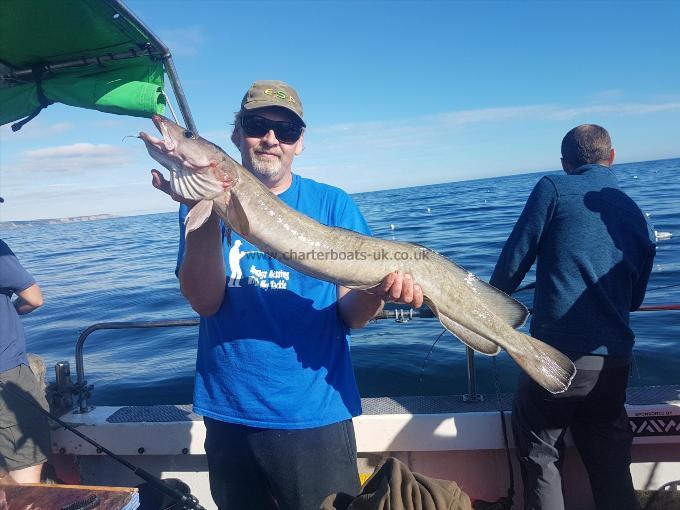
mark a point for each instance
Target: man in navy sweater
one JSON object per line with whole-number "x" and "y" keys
{"x": 594, "y": 251}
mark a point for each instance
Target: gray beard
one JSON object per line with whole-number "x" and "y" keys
{"x": 265, "y": 167}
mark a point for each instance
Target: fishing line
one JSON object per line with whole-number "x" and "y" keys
{"x": 511, "y": 489}
{"x": 505, "y": 502}
{"x": 636, "y": 366}
{"x": 427, "y": 356}
{"x": 533, "y": 285}
{"x": 665, "y": 287}
{"x": 188, "y": 501}
{"x": 169, "y": 105}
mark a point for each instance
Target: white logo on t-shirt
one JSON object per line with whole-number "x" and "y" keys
{"x": 262, "y": 278}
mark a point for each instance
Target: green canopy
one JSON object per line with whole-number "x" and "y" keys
{"x": 89, "y": 53}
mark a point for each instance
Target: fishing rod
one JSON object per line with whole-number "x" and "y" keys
{"x": 528, "y": 286}
{"x": 533, "y": 285}
{"x": 402, "y": 314}
{"x": 649, "y": 308}
{"x": 658, "y": 308}
{"x": 188, "y": 501}
{"x": 646, "y": 308}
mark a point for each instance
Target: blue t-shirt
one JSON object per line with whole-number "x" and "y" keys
{"x": 13, "y": 279}
{"x": 276, "y": 354}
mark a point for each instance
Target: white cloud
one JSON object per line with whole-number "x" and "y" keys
{"x": 490, "y": 115}
{"x": 33, "y": 130}
{"x": 615, "y": 109}
{"x": 71, "y": 151}
{"x": 71, "y": 159}
{"x": 382, "y": 154}
{"x": 427, "y": 130}
{"x": 500, "y": 114}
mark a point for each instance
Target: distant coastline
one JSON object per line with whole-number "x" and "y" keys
{"x": 54, "y": 221}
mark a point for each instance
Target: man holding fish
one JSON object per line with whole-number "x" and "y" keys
{"x": 296, "y": 238}
{"x": 274, "y": 380}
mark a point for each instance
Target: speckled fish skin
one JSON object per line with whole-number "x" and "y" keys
{"x": 481, "y": 316}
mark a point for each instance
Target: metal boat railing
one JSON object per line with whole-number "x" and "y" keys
{"x": 82, "y": 390}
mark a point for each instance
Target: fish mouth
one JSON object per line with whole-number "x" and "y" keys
{"x": 161, "y": 124}
{"x": 157, "y": 121}
{"x": 163, "y": 145}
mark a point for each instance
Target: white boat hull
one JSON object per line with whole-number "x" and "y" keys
{"x": 440, "y": 437}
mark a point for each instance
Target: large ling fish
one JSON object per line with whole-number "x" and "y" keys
{"x": 480, "y": 315}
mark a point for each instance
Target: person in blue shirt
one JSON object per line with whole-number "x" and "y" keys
{"x": 593, "y": 249}
{"x": 24, "y": 432}
{"x": 274, "y": 379}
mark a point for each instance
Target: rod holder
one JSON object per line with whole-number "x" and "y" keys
{"x": 471, "y": 396}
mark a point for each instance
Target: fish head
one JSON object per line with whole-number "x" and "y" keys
{"x": 199, "y": 169}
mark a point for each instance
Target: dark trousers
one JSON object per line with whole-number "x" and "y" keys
{"x": 252, "y": 468}
{"x": 593, "y": 407}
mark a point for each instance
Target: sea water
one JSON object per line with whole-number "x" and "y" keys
{"x": 122, "y": 269}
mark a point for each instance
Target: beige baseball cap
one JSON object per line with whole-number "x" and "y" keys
{"x": 265, "y": 93}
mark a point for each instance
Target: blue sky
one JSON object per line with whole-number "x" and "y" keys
{"x": 395, "y": 94}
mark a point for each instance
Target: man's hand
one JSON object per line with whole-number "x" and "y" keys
{"x": 357, "y": 307}
{"x": 161, "y": 183}
{"x": 399, "y": 287}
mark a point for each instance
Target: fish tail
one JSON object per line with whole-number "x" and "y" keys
{"x": 544, "y": 364}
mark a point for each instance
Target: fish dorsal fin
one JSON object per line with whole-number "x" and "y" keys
{"x": 198, "y": 215}
{"x": 236, "y": 216}
{"x": 507, "y": 308}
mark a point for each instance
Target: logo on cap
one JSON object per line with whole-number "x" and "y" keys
{"x": 264, "y": 93}
{"x": 281, "y": 95}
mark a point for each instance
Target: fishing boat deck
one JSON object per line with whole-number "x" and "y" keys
{"x": 444, "y": 404}
{"x": 636, "y": 396}
{"x": 440, "y": 436}
{"x": 420, "y": 423}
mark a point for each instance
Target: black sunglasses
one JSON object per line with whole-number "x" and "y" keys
{"x": 257, "y": 127}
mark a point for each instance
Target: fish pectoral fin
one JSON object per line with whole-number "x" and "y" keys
{"x": 469, "y": 338}
{"x": 198, "y": 215}
{"x": 236, "y": 216}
